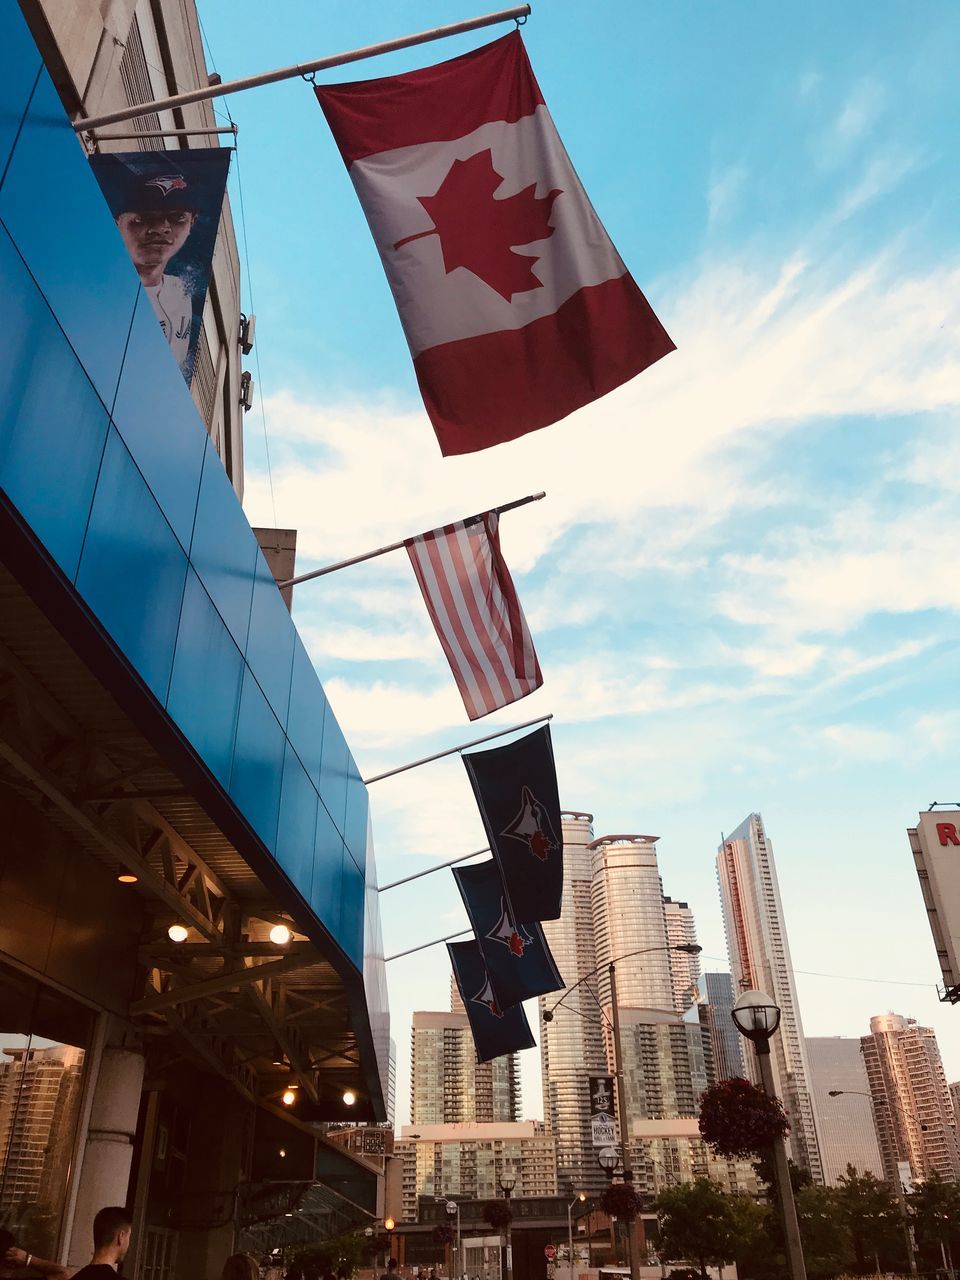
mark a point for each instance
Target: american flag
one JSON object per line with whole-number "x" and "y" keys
{"x": 472, "y": 602}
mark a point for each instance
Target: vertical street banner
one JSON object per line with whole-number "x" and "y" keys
{"x": 515, "y": 787}
{"x": 603, "y": 1129}
{"x": 515, "y": 305}
{"x": 495, "y": 1031}
{"x": 516, "y": 956}
{"x": 167, "y": 207}
{"x": 476, "y": 613}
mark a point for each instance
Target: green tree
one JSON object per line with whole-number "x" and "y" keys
{"x": 827, "y": 1246}
{"x": 935, "y": 1209}
{"x": 756, "y": 1248}
{"x": 872, "y": 1215}
{"x": 696, "y": 1223}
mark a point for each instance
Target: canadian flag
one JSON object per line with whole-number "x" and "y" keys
{"x": 515, "y": 304}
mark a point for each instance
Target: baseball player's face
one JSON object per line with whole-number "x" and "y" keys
{"x": 153, "y": 238}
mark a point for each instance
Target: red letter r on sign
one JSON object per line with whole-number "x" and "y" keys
{"x": 947, "y": 833}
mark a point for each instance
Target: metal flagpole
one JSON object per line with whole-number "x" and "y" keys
{"x": 423, "y": 945}
{"x": 395, "y": 546}
{"x": 301, "y": 69}
{"x": 453, "y": 750}
{"x": 430, "y": 870}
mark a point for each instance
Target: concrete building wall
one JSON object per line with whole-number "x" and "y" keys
{"x": 448, "y": 1085}
{"x": 681, "y": 930}
{"x": 467, "y": 1160}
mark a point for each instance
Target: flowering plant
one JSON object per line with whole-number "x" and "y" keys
{"x": 620, "y": 1200}
{"x": 739, "y": 1120}
{"x": 497, "y": 1213}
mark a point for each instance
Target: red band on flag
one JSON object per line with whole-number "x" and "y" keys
{"x": 543, "y": 371}
{"x": 369, "y": 116}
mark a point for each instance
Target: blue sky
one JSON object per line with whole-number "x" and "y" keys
{"x": 744, "y": 582}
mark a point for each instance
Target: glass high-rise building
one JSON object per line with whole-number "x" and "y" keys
{"x": 760, "y": 960}
{"x": 685, "y": 969}
{"x": 571, "y": 1046}
{"x": 628, "y": 916}
{"x": 847, "y": 1132}
{"x": 727, "y": 1042}
{"x": 913, "y": 1111}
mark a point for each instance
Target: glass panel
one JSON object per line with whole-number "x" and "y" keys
{"x": 43, "y": 1042}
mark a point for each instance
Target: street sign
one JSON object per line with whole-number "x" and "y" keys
{"x": 549, "y": 1252}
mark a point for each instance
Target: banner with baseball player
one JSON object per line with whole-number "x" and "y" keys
{"x": 167, "y": 208}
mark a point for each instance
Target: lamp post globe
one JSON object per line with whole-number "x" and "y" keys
{"x": 756, "y": 1015}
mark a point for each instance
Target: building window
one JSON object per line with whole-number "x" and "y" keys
{"x": 44, "y": 1038}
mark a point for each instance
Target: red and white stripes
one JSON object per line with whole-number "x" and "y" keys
{"x": 476, "y": 614}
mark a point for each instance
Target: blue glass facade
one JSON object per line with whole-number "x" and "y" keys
{"x": 107, "y": 474}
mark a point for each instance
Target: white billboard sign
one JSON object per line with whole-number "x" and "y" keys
{"x": 936, "y": 852}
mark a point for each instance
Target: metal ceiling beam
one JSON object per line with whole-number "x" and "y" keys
{"x": 287, "y": 1040}
{"x": 156, "y": 952}
{"x": 109, "y": 843}
{"x": 231, "y": 981}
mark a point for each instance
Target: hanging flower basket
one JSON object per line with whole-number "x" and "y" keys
{"x": 497, "y": 1213}
{"x": 738, "y": 1120}
{"x": 620, "y": 1201}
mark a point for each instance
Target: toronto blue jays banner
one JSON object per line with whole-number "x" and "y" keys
{"x": 167, "y": 207}
{"x": 516, "y": 790}
{"x": 496, "y": 1031}
{"x": 517, "y": 958}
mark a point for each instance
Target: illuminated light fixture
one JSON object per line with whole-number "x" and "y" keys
{"x": 283, "y": 1152}
{"x": 177, "y": 933}
{"x": 280, "y": 935}
{"x": 349, "y": 1098}
{"x": 125, "y": 877}
{"x": 388, "y": 1224}
{"x": 289, "y": 1097}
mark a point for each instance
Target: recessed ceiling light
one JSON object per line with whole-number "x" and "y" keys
{"x": 125, "y": 877}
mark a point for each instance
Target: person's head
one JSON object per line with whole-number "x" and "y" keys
{"x": 111, "y": 1233}
{"x": 391, "y": 1266}
{"x": 240, "y": 1266}
{"x": 7, "y": 1241}
{"x": 156, "y": 216}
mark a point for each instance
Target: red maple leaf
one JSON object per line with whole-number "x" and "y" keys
{"x": 479, "y": 233}
{"x": 516, "y": 943}
{"x": 540, "y": 845}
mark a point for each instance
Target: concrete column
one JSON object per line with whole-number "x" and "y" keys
{"x": 108, "y": 1149}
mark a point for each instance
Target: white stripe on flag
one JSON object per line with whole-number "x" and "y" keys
{"x": 460, "y": 571}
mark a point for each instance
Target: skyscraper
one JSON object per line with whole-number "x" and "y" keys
{"x": 847, "y": 1131}
{"x": 571, "y": 1046}
{"x": 685, "y": 969}
{"x": 760, "y": 960}
{"x": 448, "y": 1085}
{"x": 914, "y": 1114}
{"x": 727, "y": 1042}
{"x": 628, "y": 917}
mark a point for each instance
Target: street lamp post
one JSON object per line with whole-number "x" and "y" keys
{"x": 757, "y": 1017}
{"x": 508, "y": 1181}
{"x": 452, "y": 1208}
{"x": 897, "y": 1184}
{"x": 687, "y": 948}
{"x": 570, "y": 1208}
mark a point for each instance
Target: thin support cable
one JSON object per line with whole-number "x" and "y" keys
{"x": 256, "y": 345}
{"x": 249, "y": 281}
